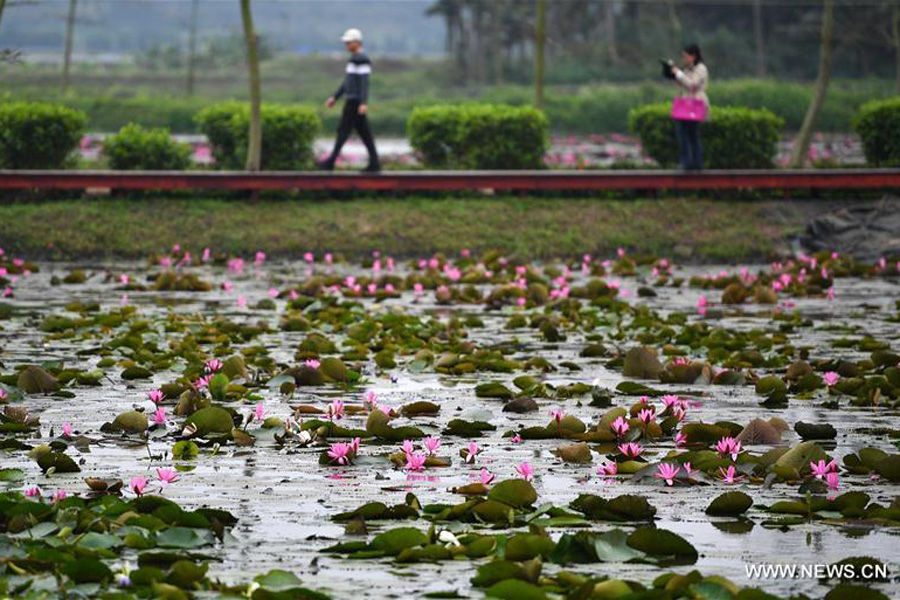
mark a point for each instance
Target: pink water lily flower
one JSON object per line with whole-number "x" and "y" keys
{"x": 821, "y": 469}
{"x": 408, "y": 447}
{"x": 59, "y": 495}
{"x": 138, "y": 484}
{"x": 619, "y": 426}
{"x": 214, "y": 365}
{"x": 472, "y": 452}
{"x": 167, "y": 476}
{"x": 242, "y": 301}
{"x": 370, "y": 402}
{"x": 729, "y": 475}
{"x": 608, "y": 469}
{"x": 159, "y": 417}
{"x": 831, "y": 378}
{"x": 667, "y": 472}
{"x": 832, "y": 479}
{"x": 312, "y": 363}
{"x": 486, "y": 477}
{"x": 202, "y": 382}
{"x": 526, "y": 471}
{"x": 728, "y": 445}
{"x": 354, "y": 446}
{"x": 156, "y": 396}
{"x": 67, "y": 430}
{"x": 32, "y": 492}
{"x": 557, "y": 415}
{"x": 688, "y": 471}
{"x": 646, "y": 415}
{"x": 335, "y": 410}
{"x": 259, "y": 412}
{"x": 415, "y": 461}
{"x": 516, "y": 438}
{"x": 339, "y": 453}
{"x": 3, "y": 394}
{"x": 432, "y": 444}
{"x": 680, "y": 439}
{"x": 631, "y": 450}
{"x": 670, "y": 401}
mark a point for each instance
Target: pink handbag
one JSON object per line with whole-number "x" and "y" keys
{"x": 689, "y": 109}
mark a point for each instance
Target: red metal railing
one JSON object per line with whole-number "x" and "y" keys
{"x": 456, "y": 180}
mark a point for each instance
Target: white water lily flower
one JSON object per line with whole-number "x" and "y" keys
{"x": 445, "y": 537}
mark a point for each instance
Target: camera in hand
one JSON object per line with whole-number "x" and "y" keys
{"x": 667, "y": 71}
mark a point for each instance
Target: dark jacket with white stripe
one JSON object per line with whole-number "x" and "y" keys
{"x": 356, "y": 79}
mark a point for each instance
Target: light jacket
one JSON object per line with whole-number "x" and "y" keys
{"x": 693, "y": 82}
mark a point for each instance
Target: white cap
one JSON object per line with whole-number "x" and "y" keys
{"x": 352, "y": 35}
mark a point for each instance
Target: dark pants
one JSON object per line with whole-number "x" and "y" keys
{"x": 690, "y": 152}
{"x": 350, "y": 120}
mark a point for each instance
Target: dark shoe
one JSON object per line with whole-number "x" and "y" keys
{"x": 372, "y": 168}
{"x": 325, "y": 165}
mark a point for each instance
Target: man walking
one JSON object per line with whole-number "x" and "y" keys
{"x": 355, "y": 91}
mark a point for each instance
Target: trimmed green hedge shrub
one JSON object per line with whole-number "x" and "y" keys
{"x": 136, "y": 148}
{"x": 479, "y": 136}
{"x": 36, "y": 135}
{"x": 733, "y": 138}
{"x": 288, "y": 135}
{"x": 878, "y": 124}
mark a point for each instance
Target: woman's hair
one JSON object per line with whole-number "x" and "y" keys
{"x": 694, "y": 50}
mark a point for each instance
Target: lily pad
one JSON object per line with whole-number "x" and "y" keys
{"x": 730, "y": 504}
{"x": 211, "y": 419}
{"x": 514, "y": 492}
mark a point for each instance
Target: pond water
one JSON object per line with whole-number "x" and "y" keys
{"x": 283, "y": 498}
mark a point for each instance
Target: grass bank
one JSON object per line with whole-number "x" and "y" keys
{"x": 694, "y": 230}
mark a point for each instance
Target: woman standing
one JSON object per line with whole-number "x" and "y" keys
{"x": 691, "y": 106}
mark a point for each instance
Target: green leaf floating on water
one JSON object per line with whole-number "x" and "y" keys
{"x": 212, "y": 419}
{"x": 514, "y": 492}
{"x": 515, "y": 589}
{"x": 334, "y": 369}
{"x": 86, "y": 570}
{"x": 183, "y": 537}
{"x": 729, "y": 504}
{"x": 661, "y": 542}
{"x": 612, "y": 546}
{"x": 392, "y": 542}
{"x": 493, "y": 390}
{"x": 131, "y": 422}
{"x": 59, "y": 462}
{"x": 136, "y": 372}
{"x": 12, "y": 475}
{"x": 525, "y": 546}
{"x": 35, "y": 380}
{"x": 218, "y": 385}
{"x": 497, "y": 570}
{"x": 99, "y": 541}
{"x": 283, "y": 585}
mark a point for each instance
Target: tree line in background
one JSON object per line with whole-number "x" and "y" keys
{"x": 494, "y": 41}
